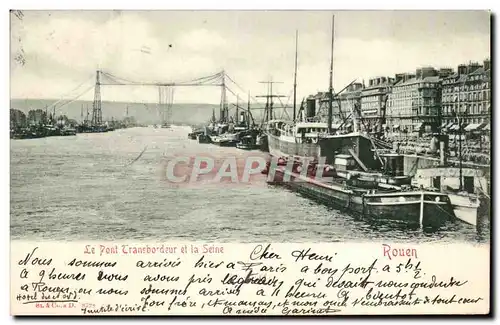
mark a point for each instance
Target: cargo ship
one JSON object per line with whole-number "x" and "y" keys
{"x": 305, "y": 137}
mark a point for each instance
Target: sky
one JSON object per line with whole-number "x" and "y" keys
{"x": 62, "y": 50}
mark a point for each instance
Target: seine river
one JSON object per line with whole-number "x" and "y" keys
{"x": 91, "y": 187}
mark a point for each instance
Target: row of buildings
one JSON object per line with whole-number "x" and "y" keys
{"x": 422, "y": 102}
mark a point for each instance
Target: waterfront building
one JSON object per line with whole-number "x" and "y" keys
{"x": 37, "y": 116}
{"x": 17, "y": 118}
{"x": 373, "y": 103}
{"x": 415, "y": 101}
{"x": 342, "y": 106}
{"x": 350, "y": 104}
{"x": 467, "y": 94}
{"x": 322, "y": 99}
{"x": 418, "y": 103}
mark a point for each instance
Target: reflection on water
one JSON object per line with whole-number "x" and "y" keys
{"x": 85, "y": 187}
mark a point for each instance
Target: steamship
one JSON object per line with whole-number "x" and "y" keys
{"x": 305, "y": 137}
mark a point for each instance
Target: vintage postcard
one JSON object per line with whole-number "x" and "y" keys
{"x": 243, "y": 163}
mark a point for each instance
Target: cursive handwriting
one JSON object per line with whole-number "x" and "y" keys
{"x": 259, "y": 279}
{"x": 307, "y": 254}
{"x": 259, "y": 253}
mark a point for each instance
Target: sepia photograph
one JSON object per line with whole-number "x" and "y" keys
{"x": 250, "y": 126}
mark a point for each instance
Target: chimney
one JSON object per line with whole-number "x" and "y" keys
{"x": 429, "y": 72}
{"x": 486, "y": 64}
{"x": 462, "y": 69}
{"x": 471, "y": 67}
{"x": 445, "y": 72}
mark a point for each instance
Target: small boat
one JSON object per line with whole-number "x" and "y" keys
{"x": 68, "y": 131}
{"x": 203, "y": 138}
{"x": 194, "y": 135}
{"x": 465, "y": 206}
{"x": 247, "y": 142}
{"x": 225, "y": 140}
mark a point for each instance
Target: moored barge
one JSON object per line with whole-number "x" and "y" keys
{"x": 410, "y": 206}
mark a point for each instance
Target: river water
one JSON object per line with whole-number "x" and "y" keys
{"x": 90, "y": 187}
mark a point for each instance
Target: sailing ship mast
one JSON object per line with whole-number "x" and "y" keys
{"x": 295, "y": 77}
{"x": 330, "y": 90}
{"x": 237, "y": 121}
{"x": 248, "y": 111}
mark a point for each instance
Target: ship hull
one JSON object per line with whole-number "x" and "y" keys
{"x": 246, "y": 146}
{"x": 411, "y": 208}
{"x": 227, "y": 143}
{"x": 464, "y": 208}
{"x": 224, "y": 141}
{"x": 262, "y": 143}
{"x": 281, "y": 148}
{"x": 324, "y": 148}
{"x": 202, "y": 138}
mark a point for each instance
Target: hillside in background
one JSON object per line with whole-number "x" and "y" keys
{"x": 145, "y": 113}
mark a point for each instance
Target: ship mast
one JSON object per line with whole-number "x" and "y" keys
{"x": 237, "y": 121}
{"x": 295, "y": 77}
{"x": 330, "y": 90}
{"x": 248, "y": 111}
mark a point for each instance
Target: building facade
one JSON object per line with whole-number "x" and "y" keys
{"x": 17, "y": 119}
{"x": 342, "y": 106}
{"x": 350, "y": 103}
{"x": 466, "y": 95}
{"x": 421, "y": 102}
{"x": 414, "y": 104}
{"x": 373, "y": 103}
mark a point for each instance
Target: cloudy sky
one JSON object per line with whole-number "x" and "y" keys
{"x": 62, "y": 49}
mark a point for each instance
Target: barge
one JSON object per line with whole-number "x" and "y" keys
{"x": 370, "y": 199}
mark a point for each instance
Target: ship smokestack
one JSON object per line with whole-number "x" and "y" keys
{"x": 310, "y": 107}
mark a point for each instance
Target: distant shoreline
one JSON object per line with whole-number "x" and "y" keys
{"x": 143, "y": 112}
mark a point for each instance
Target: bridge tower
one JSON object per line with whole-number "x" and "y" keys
{"x": 96, "y": 106}
{"x": 224, "y": 109}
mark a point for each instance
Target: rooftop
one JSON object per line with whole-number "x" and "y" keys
{"x": 414, "y": 80}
